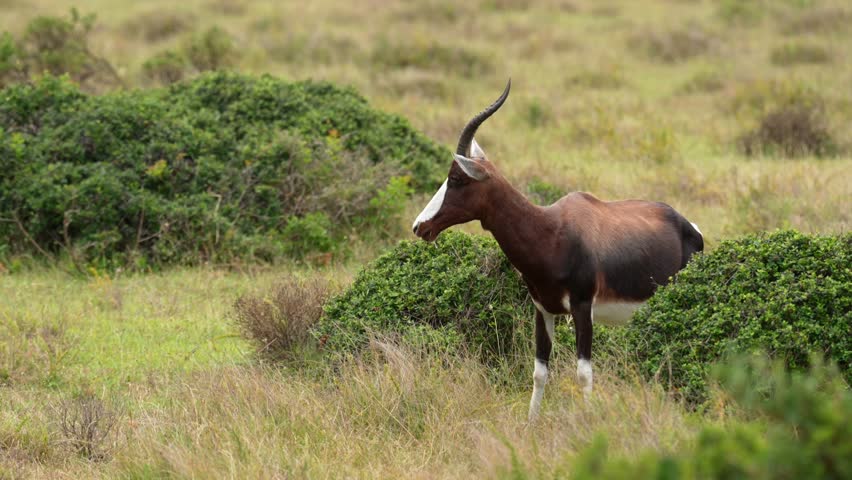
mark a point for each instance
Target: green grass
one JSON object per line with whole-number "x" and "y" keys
{"x": 587, "y": 112}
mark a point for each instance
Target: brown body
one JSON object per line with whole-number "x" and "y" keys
{"x": 576, "y": 256}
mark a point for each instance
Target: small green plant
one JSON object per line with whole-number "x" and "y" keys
{"x": 799, "y": 53}
{"x": 786, "y": 292}
{"x": 462, "y": 285}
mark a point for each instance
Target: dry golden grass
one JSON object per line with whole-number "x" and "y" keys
{"x": 398, "y": 414}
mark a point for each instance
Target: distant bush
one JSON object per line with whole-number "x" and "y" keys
{"x": 792, "y": 131}
{"x": 211, "y": 50}
{"x": 787, "y": 293}
{"x": 223, "y": 167}
{"x": 817, "y": 21}
{"x": 703, "y": 82}
{"x": 789, "y": 119}
{"x": 165, "y": 67}
{"x": 596, "y": 80}
{"x": 741, "y": 12}
{"x": 460, "y": 291}
{"x": 429, "y": 55}
{"x": 159, "y": 25}
{"x": 796, "y": 53}
{"x": 58, "y": 46}
{"x": 802, "y": 432}
{"x": 674, "y": 45}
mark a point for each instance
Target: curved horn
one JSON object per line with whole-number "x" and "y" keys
{"x": 470, "y": 129}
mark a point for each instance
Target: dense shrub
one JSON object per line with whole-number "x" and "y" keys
{"x": 221, "y": 167}
{"x": 786, "y": 292}
{"x": 803, "y": 432}
{"x": 459, "y": 291}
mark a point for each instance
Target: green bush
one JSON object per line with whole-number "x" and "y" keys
{"x": 165, "y": 67}
{"x": 787, "y": 293}
{"x": 219, "y": 168}
{"x": 459, "y": 291}
{"x": 803, "y": 431}
{"x": 212, "y": 50}
{"x": 55, "y": 45}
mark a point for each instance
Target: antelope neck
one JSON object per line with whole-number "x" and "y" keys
{"x": 521, "y": 228}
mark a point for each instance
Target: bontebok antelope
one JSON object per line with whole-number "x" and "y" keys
{"x": 598, "y": 261}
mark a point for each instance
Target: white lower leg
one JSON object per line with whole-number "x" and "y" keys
{"x": 584, "y": 376}
{"x": 539, "y": 381}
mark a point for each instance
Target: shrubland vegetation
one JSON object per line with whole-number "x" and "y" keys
{"x": 299, "y": 345}
{"x": 218, "y": 169}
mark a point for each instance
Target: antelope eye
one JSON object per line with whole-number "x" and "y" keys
{"x": 456, "y": 180}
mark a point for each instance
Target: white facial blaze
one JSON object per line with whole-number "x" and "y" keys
{"x": 433, "y": 207}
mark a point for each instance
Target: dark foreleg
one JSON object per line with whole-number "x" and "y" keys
{"x": 582, "y": 314}
{"x": 543, "y": 346}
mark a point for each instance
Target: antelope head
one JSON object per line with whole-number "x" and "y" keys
{"x": 464, "y": 194}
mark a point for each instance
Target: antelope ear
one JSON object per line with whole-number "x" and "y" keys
{"x": 472, "y": 168}
{"x": 476, "y": 151}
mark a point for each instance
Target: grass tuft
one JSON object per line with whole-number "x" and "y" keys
{"x": 279, "y": 326}
{"x": 672, "y": 46}
{"x": 798, "y": 54}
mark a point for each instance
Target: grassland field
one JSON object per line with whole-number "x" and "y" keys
{"x": 645, "y": 99}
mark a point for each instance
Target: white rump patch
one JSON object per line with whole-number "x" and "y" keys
{"x": 584, "y": 376}
{"x": 433, "y": 207}
{"x": 696, "y": 228}
{"x": 614, "y": 313}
